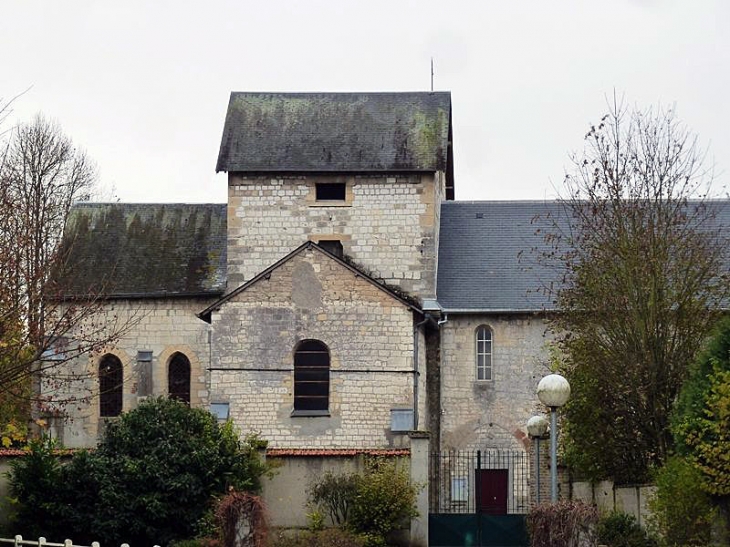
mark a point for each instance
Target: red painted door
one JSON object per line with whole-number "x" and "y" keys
{"x": 492, "y": 495}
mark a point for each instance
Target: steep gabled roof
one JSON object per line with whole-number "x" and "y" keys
{"x": 122, "y": 250}
{"x": 336, "y": 132}
{"x": 205, "y": 314}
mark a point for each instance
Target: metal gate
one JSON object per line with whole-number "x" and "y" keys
{"x": 479, "y": 498}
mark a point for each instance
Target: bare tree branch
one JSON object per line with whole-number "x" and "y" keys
{"x": 43, "y": 174}
{"x": 643, "y": 256}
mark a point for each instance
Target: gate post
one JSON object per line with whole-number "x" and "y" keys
{"x": 419, "y": 476}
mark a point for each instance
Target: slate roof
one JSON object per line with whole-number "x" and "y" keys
{"x": 487, "y": 258}
{"x": 145, "y": 250}
{"x": 488, "y": 254}
{"x": 336, "y": 132}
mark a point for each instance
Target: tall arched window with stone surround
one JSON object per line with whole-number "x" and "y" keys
{"x": 484, "y": 353}
{"x": 178, "y": 378}
{"x": 311, "y": 378}
{"x": 111, "y": 386}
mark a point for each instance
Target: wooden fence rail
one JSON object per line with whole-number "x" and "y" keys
{"x": 17, "y": 541}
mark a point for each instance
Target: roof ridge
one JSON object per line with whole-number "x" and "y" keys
{"x": 501, "y": 201}
{"x": 146, "y": 204}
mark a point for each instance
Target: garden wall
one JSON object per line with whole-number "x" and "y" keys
{"x": 609, "y": 497}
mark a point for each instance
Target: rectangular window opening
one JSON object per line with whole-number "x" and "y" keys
{"x": 332, "y": 246}
{"x": 459, "y": 490}
{"x": 331, "y": 191}
{"x": 220, "y": 410}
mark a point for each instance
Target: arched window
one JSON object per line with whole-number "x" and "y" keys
{"x": 111, "y": 384}
{"x": 178, "y": 378}
{"x": 311, "y": 377}
{"x": 484, "y": 353}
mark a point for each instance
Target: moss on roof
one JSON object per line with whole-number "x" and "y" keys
{"x": 336, "y": 132}
{"x": 119, "y": 249}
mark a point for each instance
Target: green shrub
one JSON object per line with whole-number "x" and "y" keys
{"x": 701, "y": 418}
{"x": 152, "y": 479}
{"x": 385, "y": 501}
{"x": 682, "y": 512}
{"x": 199, "y": 542}
{"x": 621, "y": 530}
{"x": 373, "y": 504}
{"x": 562, "y": 524}
{"x": 330, "y": 537}
{"x": 335, "y": 494}
{"x": 32, "y": 479}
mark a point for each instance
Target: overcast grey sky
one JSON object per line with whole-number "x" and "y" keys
{"x": 143, "y": 85}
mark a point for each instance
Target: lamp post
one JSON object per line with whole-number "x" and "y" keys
{"x": 553, "y": 391}
{"x": 536, "y": 428}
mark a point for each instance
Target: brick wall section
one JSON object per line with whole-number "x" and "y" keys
{"x": 387, "y": 223}
{"x": 312, "y": 296}
{"x": 493, "y": 414}
{"x": 163, "y": 326}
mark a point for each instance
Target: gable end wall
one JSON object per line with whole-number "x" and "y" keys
{"x": 370, "y": 338}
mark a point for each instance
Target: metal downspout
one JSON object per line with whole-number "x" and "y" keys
{"x": 416, "y": 373}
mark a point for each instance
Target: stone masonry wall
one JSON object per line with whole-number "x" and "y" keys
{"x": 491, "y": 414}
{"x": 386, "y": 223}
{"x": 370, "y": 338}
{"x": 163, "y": 326}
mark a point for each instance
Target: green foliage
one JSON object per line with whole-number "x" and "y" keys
{"x": 315, "y": 520}
{"x": 622, "y": 530}
{"x": 372, "y": 504}
{"x": 562, "y": 524}
{"x": 197, "y": 542}
{"x": 589, "y": 451}
{"x": 682, "y": 512}
{"x": 152, "y": 478}
{"x": 331, "y": 537}
{"x": 31, "y": 480}
{"x": 385, "y": 500}
{"x": 639, "y": 251}
{"x": 335, "y": 494}
{"x": 701, "y": 421}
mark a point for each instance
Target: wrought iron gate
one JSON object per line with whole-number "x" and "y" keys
{"x": 479, "y": 498}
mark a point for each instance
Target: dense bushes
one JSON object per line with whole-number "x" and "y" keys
{"x": 682, "y": 512}
{"x": 331, "y": 537}
{"x": 621, "y": 530}
{"x": 151, "y": 480}
{"x": 701, "y": 419}
{"x": 372, "y": 504}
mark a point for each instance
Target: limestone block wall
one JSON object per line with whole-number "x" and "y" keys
{"x": 369, "y": 335}
{"x": 162, "y": 326}
{"x": 493, "y": 413}
{"x": 386, "y": 223}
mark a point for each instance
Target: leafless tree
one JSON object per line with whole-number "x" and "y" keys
{"x": 42, "y": 176}
{"x": 644, "y": 257}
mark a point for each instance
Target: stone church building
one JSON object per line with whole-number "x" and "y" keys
{"x": 340, "y": 299}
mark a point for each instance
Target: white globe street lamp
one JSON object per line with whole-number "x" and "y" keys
{"x": 553, "y": 391}
{"x": 536, "y": 428}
